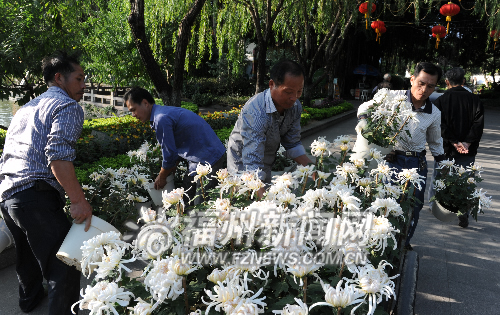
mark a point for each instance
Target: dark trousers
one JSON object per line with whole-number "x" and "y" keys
{"x": 404, "y": 162}
{"x": 195, "y": 188}
{"x": 38, "y": 224}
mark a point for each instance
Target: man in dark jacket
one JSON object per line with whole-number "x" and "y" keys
{"x": 462, "y": 122}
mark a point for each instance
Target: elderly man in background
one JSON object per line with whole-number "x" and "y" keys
{"x": 36, "y": 171}
{"x": 267, "y": 120}
{"x": 462, "y": 123}
{"x": 385, "y": 84}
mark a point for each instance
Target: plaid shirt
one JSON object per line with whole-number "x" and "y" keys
{"x": 257, "y": 135}
{"x": 42, "y": 131}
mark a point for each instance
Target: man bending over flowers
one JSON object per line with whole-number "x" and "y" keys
{"x": 181, "y": 134}
{"x": 410, "y": 149}
{"x": 268, "y": 119}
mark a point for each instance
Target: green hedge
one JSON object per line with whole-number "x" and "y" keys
{"x": 187, "y": 105}
{"x": 323, "y": 113}
{"x": 83, "y": 172}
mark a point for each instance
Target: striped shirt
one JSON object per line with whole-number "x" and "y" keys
{"x": 427, "y": 129}
{"x": 257, "y": 135}
{"x": 44, "y": 130}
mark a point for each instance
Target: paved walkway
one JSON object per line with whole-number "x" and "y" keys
{"x": 459, "y": 268}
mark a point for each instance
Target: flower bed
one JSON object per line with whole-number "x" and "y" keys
{"x": 313, "y": 246}
{"x": 323, "y": 113}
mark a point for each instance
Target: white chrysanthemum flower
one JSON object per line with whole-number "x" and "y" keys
{"x": 446, "y": 163}
{"x": 376, "y": 155}
{"x": 389, "y": 190}
{"x": 475, "y": 168}
{"x": 484, "y": 201}
{"x": 359, "y": 163}
{"x": 381, "y": 230}
{"x": 94, "y": 249}
{"x": 344, "y": 147}
{"x": 162, "y": 282}
{"x": 286, "y": 180}
{"x": 286, "y": 198}
{"x": 340, "y": 297}
{"x": 292, "y": 309}
{"x": 111, "y": 261}
{"x": 387, "y": 206}
{"x": 320, "y": 147}
{"x": 217, "y": 275}
{"x": 354, "y": 255}
{"x": 88, "y": 188}
{"x": 439, "y": 184}
{"x": 348, "y": 171}
{"x": 229, "y": 183}
{"x": 303, "y": 172}
{"x": 173, "y": 197}
{"x": 305, "y": 266}
{"x": 201, "y": 171}
{"x": 180, "y": 267}
{"x": 251, "y": 186}
{"x": 350, "y": 202}
{"x": 471, "y": 180}
{"x": 412, "y": 176}
{"x": 147, "y": 215}
{"x": 141, "y": 308}
{"x": 364, "y": 181}
{"x": 229, "y": 294}
{"x": 374, "y": 283}
{"x": 323, "y": 175}
{"x": 222, "y": 174}
{"x": 102, "y": 297}
{"x": 383, "y": 171}
{"x": 342, "y": 139}
{"x": 261, "y": 214}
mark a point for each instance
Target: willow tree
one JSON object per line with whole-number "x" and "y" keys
{"x": 168, "y": 86}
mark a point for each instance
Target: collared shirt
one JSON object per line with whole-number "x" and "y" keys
{"x": 427, "y": 129}
{"x": 182, "y": 133}
{"x": 44, "y": 130}
{"x": 257, "y": 135}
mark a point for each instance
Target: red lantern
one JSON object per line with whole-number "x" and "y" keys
{"x": 450, "y": 9}
{"x": 495, "y": 34}
{"x": 377, "y": 25}
{"x": 363, "y": 8}
{"x": 382, "y": 30}
{"x": 438, "y": 32}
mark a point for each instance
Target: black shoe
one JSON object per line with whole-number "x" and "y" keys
{"x": 408, "y": 247}
{"x": 463, "y": 220}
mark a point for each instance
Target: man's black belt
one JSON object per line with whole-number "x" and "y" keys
{"x": 410, "y": 153}
{"x": 41, "y": 185}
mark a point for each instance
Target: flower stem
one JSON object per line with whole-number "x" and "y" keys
{"x": 319, "y": 183}
{"x": 400, "y": 128}
{"x": 186, "y": 302}
{"x": 202, "y": 189}
{"x": 339, "y": 310}
{"x": 304, "y": 186}
{"x": 305, "y": 289}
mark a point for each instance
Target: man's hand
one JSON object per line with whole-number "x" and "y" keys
{"x": 82, "y": 212}
{"x": 160, "y": 182}
{"x": 260, "y": 193}
{"x": 462, "y": 147}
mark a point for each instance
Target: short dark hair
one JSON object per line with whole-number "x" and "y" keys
{"x": 429, "y": 68}
{"x": 137, "y": 94}
{"x": 59, "y": 62}
{"x": 284, "y": 67}
{"x": 455, "y": 76}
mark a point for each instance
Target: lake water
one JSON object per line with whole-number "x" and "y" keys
{"x": 7, "y": 111}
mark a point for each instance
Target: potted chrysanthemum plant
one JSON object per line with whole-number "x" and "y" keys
{"x": 457, "y": 192}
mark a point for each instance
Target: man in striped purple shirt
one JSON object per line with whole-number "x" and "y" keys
{"x": 36, "y": 171}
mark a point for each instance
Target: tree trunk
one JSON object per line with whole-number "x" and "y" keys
{"x": 137, "y": 26}
{"x": 170, "y": 94}
{"x": 308, "y": 88}
{"x": 181, "y": 48}
{"x": 261, "y": 66}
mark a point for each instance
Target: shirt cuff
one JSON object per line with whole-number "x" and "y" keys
{"x": 167, "y": 165}
{"x": 295, "y": 152}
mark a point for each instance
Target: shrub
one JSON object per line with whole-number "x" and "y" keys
{"x": 326, "y": 103}
{"x": 187, "y": 105}
{"x": 203, "y": 99}
{"x": 116, "y": 162}
{"x": 304, "y": 119}
{"x": 224, "y": 133}
{"x": 219, "y": 120}
{"x": 322, "y": 113}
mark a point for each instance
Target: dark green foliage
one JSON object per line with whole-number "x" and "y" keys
{"x": 323, "y": 113}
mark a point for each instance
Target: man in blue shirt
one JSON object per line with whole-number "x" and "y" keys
{"x": 36, "y": 170}
{"x": 182, "y": 135}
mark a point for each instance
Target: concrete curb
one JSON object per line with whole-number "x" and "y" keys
{"x": 408, "y": 286}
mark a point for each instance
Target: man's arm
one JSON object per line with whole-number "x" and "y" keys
{"x": 165, "y": 136}
{"x": 476, "y": 130}
{"x": 303, "y": 160}
{"x": 80, "y": 209}
{"x": 433, "y": 136}
{"x": 161, "y": 179}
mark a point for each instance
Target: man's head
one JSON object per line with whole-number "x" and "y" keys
{"x": 139, "y": 102}
{"x": 424, "y": 80}
{"x": 286, "y": 84}
{"x": 64, "y": 71}
{"x": 455, "y": 77}
{"x": 387, "y": 77}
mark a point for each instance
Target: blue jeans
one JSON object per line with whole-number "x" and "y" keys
{"x": 38, "y": 224}
{"x": 405, "y": 162}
